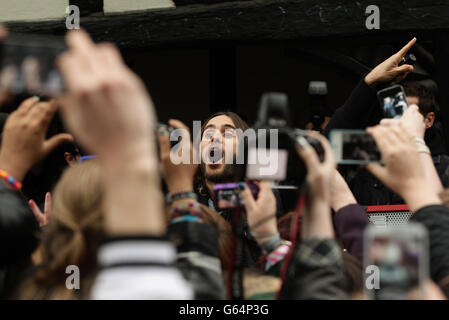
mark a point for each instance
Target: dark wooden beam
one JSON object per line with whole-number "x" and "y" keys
{"x": 88, "y": 7}
{"x": 256, "y": 20}
{"x": 186, "y": 2}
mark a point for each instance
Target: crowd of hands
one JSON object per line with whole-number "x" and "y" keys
{"x": 109, "y": 111}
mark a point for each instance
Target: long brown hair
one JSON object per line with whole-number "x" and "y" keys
{"x": 71, "y": 237}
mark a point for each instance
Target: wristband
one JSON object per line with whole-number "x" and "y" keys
{"x": 270, "y": 245}
{"x": 278, "y": 254}
{"x": 180, "y": 195}
{"x": 423, "y": 149}
{"x": 185, "y": 218}
{"x": 192, "y": 208}
{"x": 15, "y": 184}
{"x": 420, "y": 141}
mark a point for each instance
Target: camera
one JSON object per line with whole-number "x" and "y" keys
{"x": 273, "y": 119}
{"x": 229, "y": 195}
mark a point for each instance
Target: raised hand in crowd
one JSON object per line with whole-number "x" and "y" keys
{"x": 414, "y": 122}
{"x": 178, "y": 177}
{"x": 109, "y": 111}
{"x": 315, "y": 273}
{"x": 317, "y": 221}
{"x": 403, "y": 172}
{"x": 389, "y": 70}
{"x": 42, "y": 217}
{"x": 24, "y": 139}
{"x": 261, "y": 213}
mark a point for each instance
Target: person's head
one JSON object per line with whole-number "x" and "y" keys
{"x": 417, "y": 93}
{"x": 217, "y": 132}
{"x": 72, "y": 235}
{"x": 71, "y": 153}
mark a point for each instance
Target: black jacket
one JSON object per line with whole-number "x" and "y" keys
{"x": 18, "y": 238}
{"x": 436, "y": 220}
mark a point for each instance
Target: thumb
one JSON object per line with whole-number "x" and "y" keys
{"x": 248, "y": 199}
{"x": 378, "y": 171}
{"x": 164, "y": 143}
{"x": 51, "y": 143}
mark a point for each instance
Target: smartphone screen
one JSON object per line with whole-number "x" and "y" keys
{"x": 228, "y": 195}
{"x": 393, "y": 101}
{"x": 354, "y": 147}
{"x": 395, "y": 261}
{"x": 27, "y": 64}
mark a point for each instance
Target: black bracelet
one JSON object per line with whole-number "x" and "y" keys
{"x": 180, "y": 195}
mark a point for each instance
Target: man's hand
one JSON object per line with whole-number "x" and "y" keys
{"x": 24, "y": 141}
{"x": 389, "y": 70}
{"x": 178, "y": 177}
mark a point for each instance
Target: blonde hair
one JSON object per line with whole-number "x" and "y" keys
{"x": 71, "y": 237}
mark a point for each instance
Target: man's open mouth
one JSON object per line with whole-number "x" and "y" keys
{"x": 214, "y": 155}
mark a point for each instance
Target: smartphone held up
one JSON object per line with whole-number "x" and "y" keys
{"x": 354, "y": 147}
{"x": 396, "y": 261}
{"x": 393, "y": 101}
{"x": 27, "y": 65}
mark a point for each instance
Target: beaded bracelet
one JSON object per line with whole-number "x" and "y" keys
{"x": 180, "y": 195}
{"x": 15, "y": 184}
{"x": 192, "y": 209}
{"x": 270, "y": 245}
{"x": 185, "y": 218}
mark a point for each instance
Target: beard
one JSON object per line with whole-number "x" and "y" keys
{"x": 226, "y": 174}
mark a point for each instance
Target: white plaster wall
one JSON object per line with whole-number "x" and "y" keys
{"x": 32, "y": 10}
{"x": 117, "y": 6}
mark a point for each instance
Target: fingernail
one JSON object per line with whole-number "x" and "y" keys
{"x": 302, "y": 142}
{"x": 35, "y": 98}
{"x": 242, "y": 185}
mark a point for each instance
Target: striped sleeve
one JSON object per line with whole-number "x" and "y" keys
{"x": 139, "y": 268}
